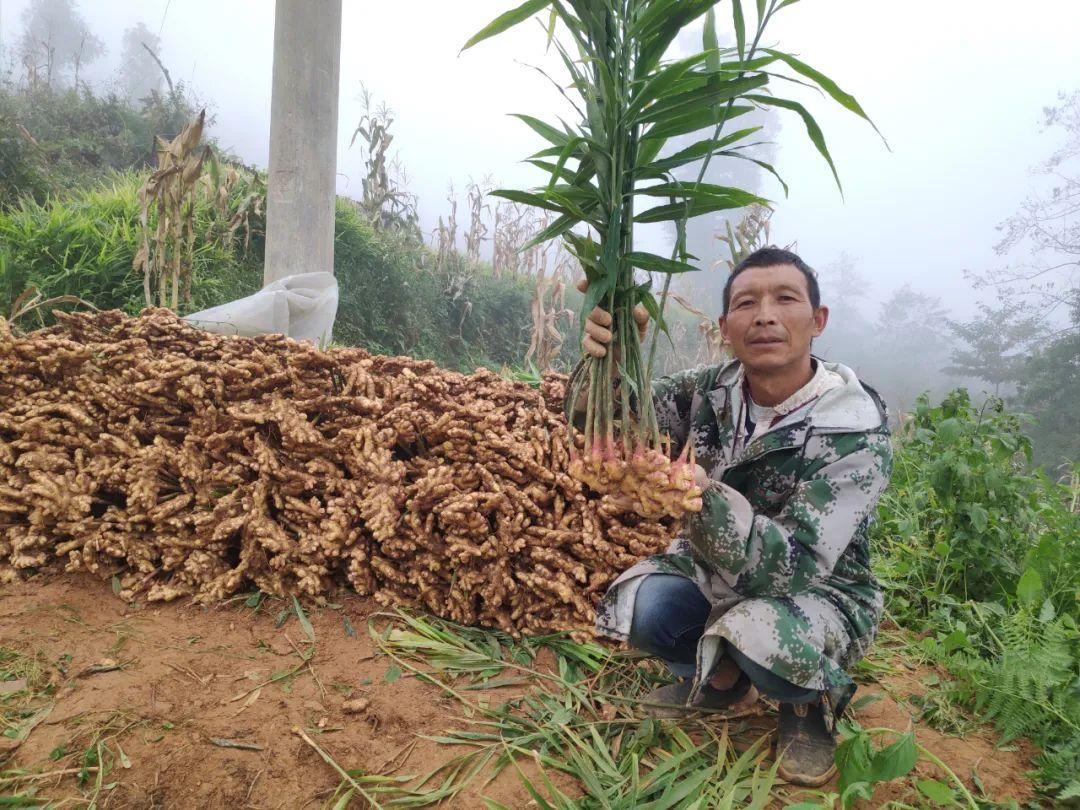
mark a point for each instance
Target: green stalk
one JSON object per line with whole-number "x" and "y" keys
{"x": 619, "y": 300}
{"x": 590, "y": 412}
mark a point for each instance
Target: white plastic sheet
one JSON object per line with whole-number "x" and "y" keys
{"x": 301, "y": 306}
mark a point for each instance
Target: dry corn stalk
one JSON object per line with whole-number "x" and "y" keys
{"x": 514, "y": 226}
{"x": 195, "y": 464}
{"x": 715, "y": 348}
{"x": 219, "y": 186}
{"x": 446, "y": 233}
{"x": 751, "y": 233}
{"x": 386, "y": 202}
{"x": 168, "y": 199}
{"x": 474, "y": 237}
{"x": 507, "y": 235}
{"x": 547, "y": 340}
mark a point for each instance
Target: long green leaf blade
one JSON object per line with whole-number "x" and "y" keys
{"x": 701, "y": 191}
{"x": 528, "y": 198}
{"x": 817, "y": 137}
{"x": 675, "y": 211}
{"x": 655, "y": 86}
{"x": 841, "y": 97}
{"x": 710, "y": 43}
{"x": 693, "y": 122}
{"x": 697, "y": 151}
{"x": 556, "y": 228}
{"x": 710, "y": 95}
{"x": 739, "y": 22}
{"x": 545, "y": 131}
{"x": 766, "y": 166}
{"x": 507, "y": 20}
{"x": 658, "y": 264}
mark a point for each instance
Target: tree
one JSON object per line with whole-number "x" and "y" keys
{"x": 1049, "y": 389}
{"x": 1031, "y": 341}
{"x": 140, "y": 73}
{"x": 994, "y": 342}
{"x": 844, "y": 289}
{"x": 1048, "y": 223}
{"x": 910, "y": 344}
{"x": 55, "y": 39}
{"x": 844, "y": 286}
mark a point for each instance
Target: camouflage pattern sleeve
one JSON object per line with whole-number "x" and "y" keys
{"x": 781, "y": 555}
{"x": 672, "y": 398}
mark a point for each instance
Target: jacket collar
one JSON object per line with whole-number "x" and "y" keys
{"x": 849, "y": 408}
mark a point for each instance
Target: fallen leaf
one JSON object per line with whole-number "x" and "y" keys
{"x": 22, "y": 731}
{"x": 104, "y": 665}
{"x": 250, "y": 699}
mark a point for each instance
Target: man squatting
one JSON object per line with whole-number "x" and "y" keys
{"x": 768, "y": 590}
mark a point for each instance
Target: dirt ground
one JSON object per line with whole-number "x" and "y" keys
{"x": 189, "y": 676}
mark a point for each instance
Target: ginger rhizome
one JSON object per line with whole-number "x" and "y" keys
{"x": 626, "y": 457}
{"x": 193, "y": 464}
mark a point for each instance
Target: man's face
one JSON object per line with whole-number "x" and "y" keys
{"x": 770, "y": 321}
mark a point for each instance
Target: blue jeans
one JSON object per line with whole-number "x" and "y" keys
{"x": 669, "y": 619}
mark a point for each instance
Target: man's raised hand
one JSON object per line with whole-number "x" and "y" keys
{"x": 598, "y": 326}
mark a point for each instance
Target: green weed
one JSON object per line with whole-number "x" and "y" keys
{"x": 983, "y": 555}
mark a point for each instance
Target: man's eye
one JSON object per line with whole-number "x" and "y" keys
{"x": 744, "y": 304}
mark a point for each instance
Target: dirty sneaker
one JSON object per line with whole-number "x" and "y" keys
{"x": 805, "y": 744}
{"x": 670, "y": 700}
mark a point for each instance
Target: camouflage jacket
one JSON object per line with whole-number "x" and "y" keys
{"x": 780, "y": 547}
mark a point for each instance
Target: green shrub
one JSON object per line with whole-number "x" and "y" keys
{"x": 58, "y": 141}
{"x": 393, "y": 300}
{"x": 964, "y": 517}
{"x": 983, "y": 554}
{"x": 84, "y": 245}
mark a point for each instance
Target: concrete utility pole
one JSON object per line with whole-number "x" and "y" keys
{"x": 303, "y": 138}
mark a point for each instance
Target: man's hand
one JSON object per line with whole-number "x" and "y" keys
{"x": 597, "y": 326}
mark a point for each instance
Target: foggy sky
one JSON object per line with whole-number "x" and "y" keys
{"x": 957, "y": 88}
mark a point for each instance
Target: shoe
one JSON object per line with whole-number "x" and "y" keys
{"x": 805, "y": 744}
{"x": 670, "y": 700}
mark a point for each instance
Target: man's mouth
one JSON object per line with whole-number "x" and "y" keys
{"x": 765, "y": 341}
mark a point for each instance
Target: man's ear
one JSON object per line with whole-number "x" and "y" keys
{"x": 821, "y": 317}
{"x": 723, "y": 328}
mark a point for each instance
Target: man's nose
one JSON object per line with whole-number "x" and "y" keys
{"x": 765, "y": 314}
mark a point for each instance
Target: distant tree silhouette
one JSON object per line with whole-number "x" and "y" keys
{"x": 55, "y": 41}
{"x": 139, "y": 73}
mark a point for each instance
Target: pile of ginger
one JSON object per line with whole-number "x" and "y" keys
{"x": 192, "y": 464}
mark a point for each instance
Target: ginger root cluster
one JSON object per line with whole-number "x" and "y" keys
{"x": 192, "y": 464}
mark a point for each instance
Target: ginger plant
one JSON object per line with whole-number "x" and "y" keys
{"x": 629, "y": 101}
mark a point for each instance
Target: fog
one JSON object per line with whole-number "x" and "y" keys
{"x": 958, "y": 91}
{"x": 956, "y": 88}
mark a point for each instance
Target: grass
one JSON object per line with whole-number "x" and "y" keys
{"x": 90, "y": 755}
{"x": 25, "y": 693}
{"x": 567, "y": 717}
{"x": 560, "y": 714}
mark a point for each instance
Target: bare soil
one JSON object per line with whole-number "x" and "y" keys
{"x": 187, "y": 676}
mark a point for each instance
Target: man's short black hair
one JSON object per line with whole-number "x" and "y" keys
{"x": 771, "y": 257}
